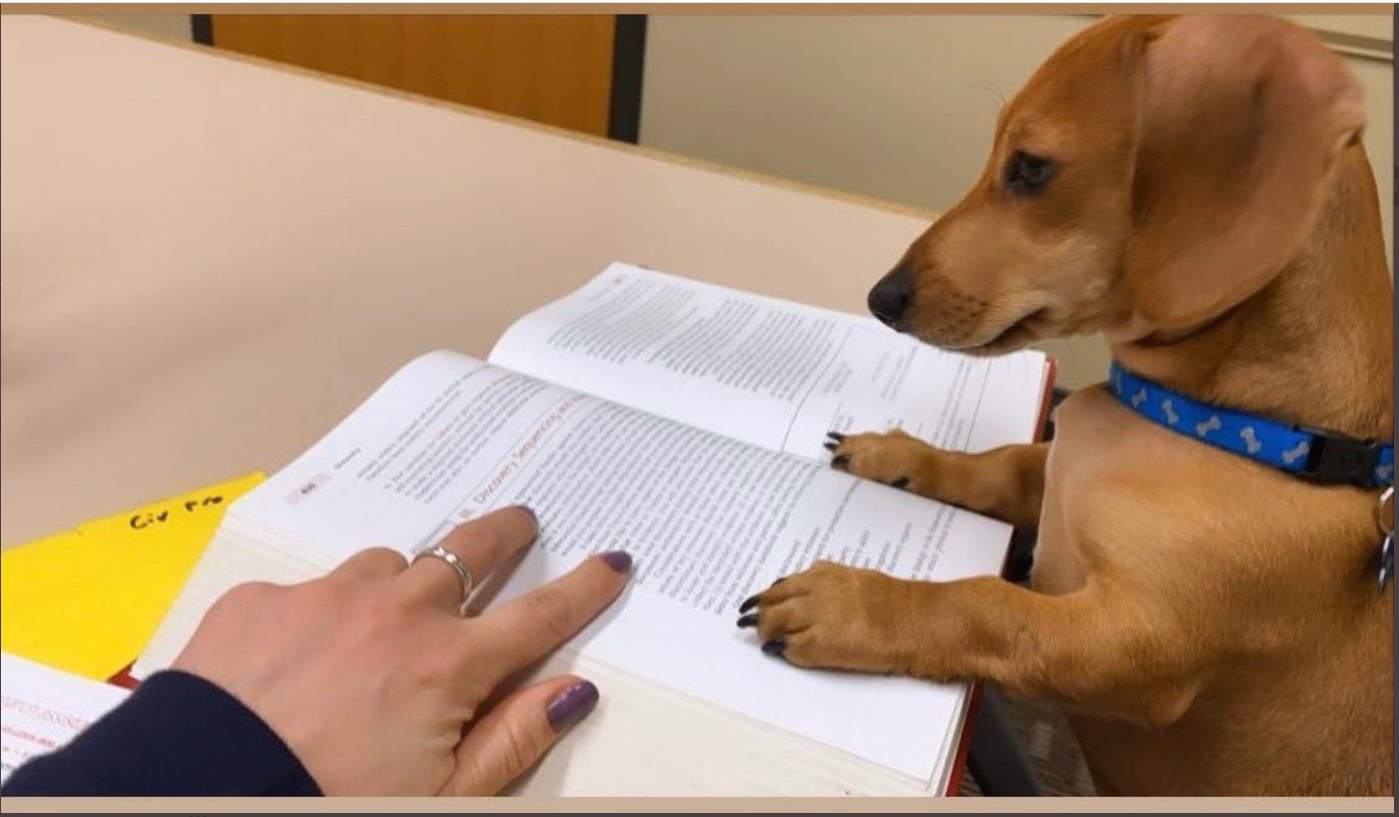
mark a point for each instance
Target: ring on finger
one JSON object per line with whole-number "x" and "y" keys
{"x": 463, "y": 572}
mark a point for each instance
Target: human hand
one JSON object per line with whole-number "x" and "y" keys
{"x": 374, "y": 680}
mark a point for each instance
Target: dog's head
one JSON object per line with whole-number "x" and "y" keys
{"x": 1154, "y": 173}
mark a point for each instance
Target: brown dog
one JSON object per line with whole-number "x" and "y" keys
{"x": 1195, "y": 189}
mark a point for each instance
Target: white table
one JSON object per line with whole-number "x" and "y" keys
{"x": 208, "y": 261}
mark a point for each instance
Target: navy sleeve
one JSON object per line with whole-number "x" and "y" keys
{"x": 177, "y": 734}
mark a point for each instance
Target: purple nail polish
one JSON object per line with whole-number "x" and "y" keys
{"x": 618, "y": 560}
{"x": 570, "y": 707}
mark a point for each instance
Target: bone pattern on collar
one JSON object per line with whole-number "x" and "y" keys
{"x": 1270, "y": 442}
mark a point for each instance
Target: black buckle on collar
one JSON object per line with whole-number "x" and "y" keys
{"x": 1334, "y": 458}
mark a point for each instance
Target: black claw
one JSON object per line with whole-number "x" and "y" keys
{"x": 748, "y": 604}
{"x": 841, "y": 461}
{"x": 750, "y": 620}
{"x": 831, "y": 446}
{"x": 901, "y": 482}
{"x": 775, "y": 647}
{"x": 836, "y": 435}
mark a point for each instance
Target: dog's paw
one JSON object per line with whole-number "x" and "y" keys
{"x": 835, "y": 617}
{"x": 893, "y": 458}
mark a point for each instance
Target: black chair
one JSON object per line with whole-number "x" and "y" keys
{"x": 996, "y": 760}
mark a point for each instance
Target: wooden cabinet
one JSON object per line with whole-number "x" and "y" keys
{"x": 552, "y": 68}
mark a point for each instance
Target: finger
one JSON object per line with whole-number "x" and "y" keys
{"x": 374, "y": 563}
{"x": 528, "y": 627}
{"x": 516, "y": 734}
{"x": 482, "y": 545}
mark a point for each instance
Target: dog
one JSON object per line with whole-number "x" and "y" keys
{"x": 1195, "y": 189}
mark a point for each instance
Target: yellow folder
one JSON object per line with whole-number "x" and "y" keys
{"x": 88, "y": 600}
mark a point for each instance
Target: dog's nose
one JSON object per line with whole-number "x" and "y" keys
{"x": 890, "y": 297}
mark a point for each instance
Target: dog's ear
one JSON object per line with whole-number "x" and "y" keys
{"x": 1240, "y": 123}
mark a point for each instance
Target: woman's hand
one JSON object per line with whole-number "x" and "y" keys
{"x": 370, "y": 674}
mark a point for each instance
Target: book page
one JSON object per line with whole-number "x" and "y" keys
{"x": 43, "y": 708}
{"x": 708, "y": 519}
{"x": 765, "y": 371}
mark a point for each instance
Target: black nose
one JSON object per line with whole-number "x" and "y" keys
{"x": 890, "y": 297}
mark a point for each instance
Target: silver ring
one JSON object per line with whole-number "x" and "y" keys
{"x": 463, "y": 572}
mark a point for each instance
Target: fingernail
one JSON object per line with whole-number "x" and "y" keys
{"x": 750, "y": 620}
{"x": 901, "y": 482}
{"x": 778, "y": 580}
{"x": 775, "y": 646}
{"x": 830, "y": 446}
{"x": 835, "y": 435}
{"x": 618, "y": 560}
{"x": 570, "y": 707}
{"x": 748, "y": 604}
{"x": 532, "y": 515}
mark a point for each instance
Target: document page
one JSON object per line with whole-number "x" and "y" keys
{"x": 766, "y": 371}
{"x": 43, "y": 708}
{"x": 708, "y": 519}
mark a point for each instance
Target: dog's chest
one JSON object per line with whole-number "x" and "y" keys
{"x": 1095, "y": 441}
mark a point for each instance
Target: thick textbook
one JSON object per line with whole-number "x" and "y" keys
{"x": 684, "y": 423}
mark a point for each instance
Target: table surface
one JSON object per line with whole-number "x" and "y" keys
{"x": 208, "y": 260}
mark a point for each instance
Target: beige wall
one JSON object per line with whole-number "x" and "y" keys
{"x": 901, "y": 108}
{"x": 170, "y": 26}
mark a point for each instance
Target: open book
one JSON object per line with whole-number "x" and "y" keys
{"x": 43, "y": 708}
{"x": 684, "y": 423}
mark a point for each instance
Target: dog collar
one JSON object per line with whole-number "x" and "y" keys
{"x": 1309, "y": 453}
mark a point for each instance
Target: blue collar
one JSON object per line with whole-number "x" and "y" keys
{"x": 1305, "y": 452}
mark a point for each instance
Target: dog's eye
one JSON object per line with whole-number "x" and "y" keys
{"x": 1026, "y": 173}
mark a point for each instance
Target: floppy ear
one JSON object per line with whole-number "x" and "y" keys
{"x": 1241, "y": 121}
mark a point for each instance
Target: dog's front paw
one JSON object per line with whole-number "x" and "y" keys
{"x": 836, "y": 617}
{"x": 893, "y": 458}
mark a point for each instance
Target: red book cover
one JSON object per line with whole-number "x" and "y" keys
{"x": 123, "y": 678}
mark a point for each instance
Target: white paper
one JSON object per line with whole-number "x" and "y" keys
{"x": 42, "y": 708}
{"x": 770, "y": 372}
{"x": 708, "y": 519}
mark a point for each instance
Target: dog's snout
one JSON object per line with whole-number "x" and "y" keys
{"x": 889, "y": 298}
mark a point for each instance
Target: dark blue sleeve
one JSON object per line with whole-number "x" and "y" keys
{"x": 177, "y": 734}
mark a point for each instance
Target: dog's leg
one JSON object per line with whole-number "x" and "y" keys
{"x": 1092, "y": 649}
{"x": 1006, "y": 483}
